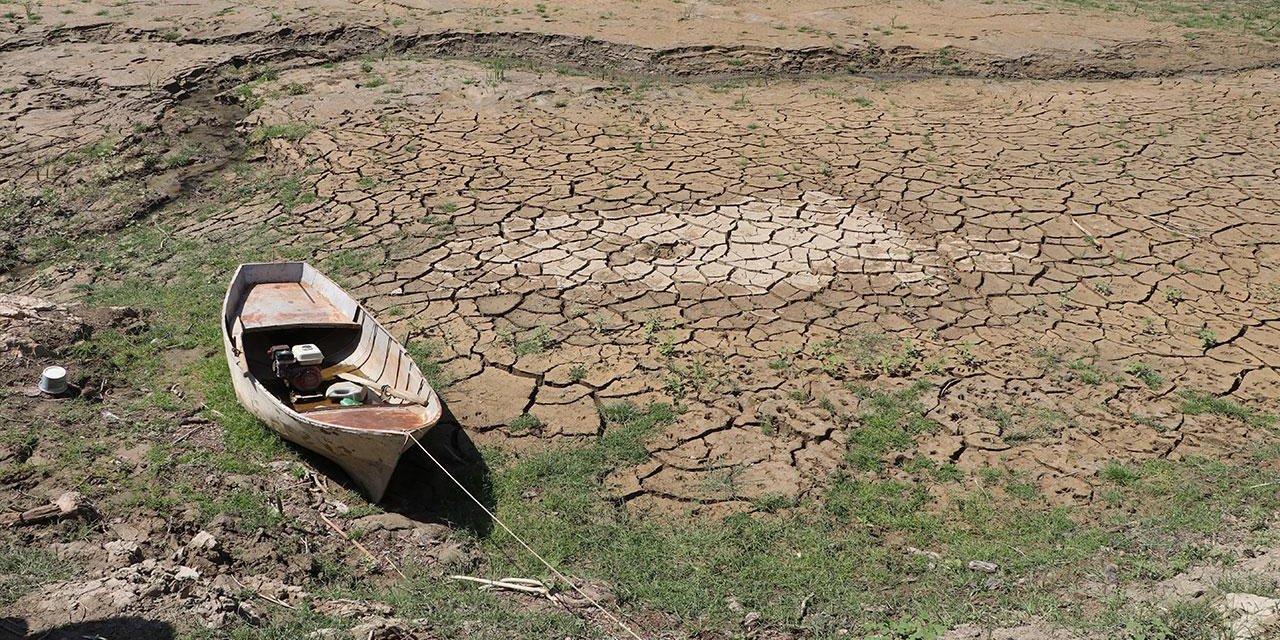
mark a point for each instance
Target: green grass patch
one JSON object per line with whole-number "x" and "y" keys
{"x": 525, "y": 422}
{"x": 1199, "y": 403}
{"x": 292, "y": 131}
{"x": 23, "y": 569}
{"x": 847, "y": 548}
{"x": 887, "y": 421}
{"x": 427, "y": 354}
{"x": 1246, "y": 16}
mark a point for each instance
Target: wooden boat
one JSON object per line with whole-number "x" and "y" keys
{"x": 276, "y": 312}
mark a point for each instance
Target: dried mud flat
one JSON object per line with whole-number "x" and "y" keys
{"x": 1057, "y": 249}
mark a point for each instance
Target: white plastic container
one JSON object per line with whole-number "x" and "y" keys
{"x": 53, "y": 380}
{"x": 342, "y": 390}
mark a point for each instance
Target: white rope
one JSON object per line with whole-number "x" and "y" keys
{"x": 524, "y": 544}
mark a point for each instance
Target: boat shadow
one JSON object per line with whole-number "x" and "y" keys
{"x": 132, "y": 627}
{"x": 419, "y": 489}
{"x": 422, "y": 491}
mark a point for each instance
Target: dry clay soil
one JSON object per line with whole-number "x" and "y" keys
{"x": 720, "y": 204}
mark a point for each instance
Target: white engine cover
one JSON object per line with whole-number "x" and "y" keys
{"x": 307, "y": 354}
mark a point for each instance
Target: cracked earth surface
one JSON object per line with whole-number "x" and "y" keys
{"x": 1061, "y": 259}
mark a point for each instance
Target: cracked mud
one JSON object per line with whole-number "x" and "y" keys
{"x": 1061, "y": 259}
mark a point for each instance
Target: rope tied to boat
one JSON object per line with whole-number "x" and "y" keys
{"x": 556, "y": 572}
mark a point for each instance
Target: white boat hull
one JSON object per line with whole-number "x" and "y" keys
{"x": 366, "y": 442}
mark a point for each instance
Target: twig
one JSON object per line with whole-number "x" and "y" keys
{"x": 360, "y": 546}
{"x": 68, "y": 504}
{"x": 263, "y": 595}
{"x": 804, "y": 608}
{"x": 524, "y": 585}
{"x": 1259, "y": 486}
{"x": 1087, "y": 236}
{"x": 188, "y": 434}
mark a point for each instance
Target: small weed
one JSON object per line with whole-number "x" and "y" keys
{"x": 525, "y": 422}
{"x": 292, "y": 131}
{"x": 1198, "y": 403}
{"x": 536, "y": 342}
{"x": 782, "y": 361}
{"x": 1087, "y": 372}
{"x": 1174, "y": 295}
{"x": 1119, "y": 474}
{"x": 577, "y": 373}
{"x": 1208, "y": 339}
{"x": 1146, "y": 373}
{"x": 497, "y": 71}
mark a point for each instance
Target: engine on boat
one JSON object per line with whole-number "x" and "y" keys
{"x": 298, "y": 366}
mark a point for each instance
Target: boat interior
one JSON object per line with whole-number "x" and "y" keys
{"x": 295, "y": 313}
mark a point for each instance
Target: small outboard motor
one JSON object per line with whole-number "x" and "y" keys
{"x": 298, "y": 366}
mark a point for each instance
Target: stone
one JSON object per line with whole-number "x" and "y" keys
{"x": 123, "y": 552}
{"x": 345, "y": 608}
{"x": 1252, "y": 614}
{"x": 983, "y": 566}
{"x": 385, "y": 522}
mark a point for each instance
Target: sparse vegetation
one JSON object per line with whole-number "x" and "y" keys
{"x": 1249, "y": 17}
{"x": 23, "y": 569}
{"x": 890, "y": 421}
{"x": 427, "y": 355}
{"x": 1146, "y": 373}
{"x": 525, "y": 422}
{"x": 533, "y": 342}
{"x": 1199, "y": 403}
{"x": 292, "y": 131}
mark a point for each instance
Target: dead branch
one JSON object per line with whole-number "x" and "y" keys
{"x": 523, "y": 585}
{"x": 360, "y": 546}
{"x": 66, "y": 505}
{"x": 263, "y": 595}
{"x": 187, "y": 434}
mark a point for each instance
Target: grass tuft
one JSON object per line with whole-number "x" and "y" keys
{"x": 1199, "y": 403}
